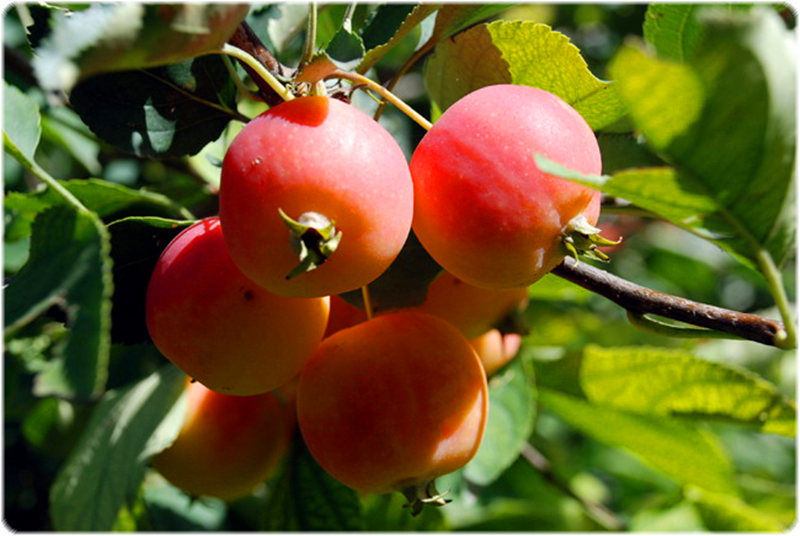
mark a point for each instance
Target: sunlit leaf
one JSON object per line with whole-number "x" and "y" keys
{"x": 659, "y": 381}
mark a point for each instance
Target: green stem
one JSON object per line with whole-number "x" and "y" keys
{"x": 259, "y": 69}
{"x": 311, "y": 35}
{"x": 385, "y": 93}
{"x": 788, "y": 338}
{"x": 43, "y": 175}
{"x": 347, "y": 21}
{"x": 421, "y": 51}
{"x": 243, "y": 91}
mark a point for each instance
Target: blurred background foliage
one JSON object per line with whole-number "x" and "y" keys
{"x": 587, "y": 484}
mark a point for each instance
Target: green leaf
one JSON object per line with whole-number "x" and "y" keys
{"x": 170, "y": 510}
{"x": 723, "y": 512}
{"x": 512, "y": 410}
{"x": 730, "y": 127}
{"x": 136, "y": 244}
{"x": 69, "y": 266}
{"x": 452, "y": 18}
{"x": 404, "y": 283}
{"x": 306, "y": 498}
{"x": 674, "y": 29}
{"x": 624, "y": 151}
{"x": 523, "y": 53}
{"x": 660, "y": 381}
{"x": 116, "y": 37}
{"x": 107, "y": 465}
{"x": 62, "y": 127}
{"x": 166, "y": 111}
{"x": 681, "y": 451}
{"x": 22, "y": 127}
{"x": 390, "y": 24}
{"x": 106, "y": 199}
{"x": 345, "y": 47}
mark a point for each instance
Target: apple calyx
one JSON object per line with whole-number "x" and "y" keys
{"x": 314, "y": 239}
{"x": 418, "y": 495}
{"x": 579, "y": 237}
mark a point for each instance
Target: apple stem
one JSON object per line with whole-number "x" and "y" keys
{"x": 257, "y": 67}
{"x": 383, "y": 92}
{"x": 367, "y": 301}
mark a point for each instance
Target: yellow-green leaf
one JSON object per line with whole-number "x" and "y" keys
{"x": 524, "y": 53}
{"x": 661, "y": 381}
{"x": 681, "y": 451}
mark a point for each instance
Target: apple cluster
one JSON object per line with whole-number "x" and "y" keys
{"x": 317, "y": 199}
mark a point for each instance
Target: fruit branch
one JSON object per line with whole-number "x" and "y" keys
{"x": 640, "y": 301}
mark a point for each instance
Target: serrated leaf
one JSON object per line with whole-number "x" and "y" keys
{"x": 390, "y": 24}
{"x": 107, "y": 465}
{"x": 724, "y": 512}
{"x": 681, "y": 451}
{"x": 101, "y": 197}
{"x": 166, "y": 111}
{"x": 404, "y": 283}
{"x": 523, "y": 53}
{"x": 22, "y": 127}
{"x": 69, "y": 266}
{"x": 306, "y": 498}
{"x": 115, "y": 37}
{"x": 136, "y": 245}
{"x": 345, "y": 47}
{"x": 733, "y": 139}
{"x": 624, "y": 151}
{"x": 660, "y": 381}
{"x": 512, "y": 410}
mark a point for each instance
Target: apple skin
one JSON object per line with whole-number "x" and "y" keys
{"x": 315, "y": 154}
{"x": 495, "y": 349}
{"x": 219, "y": 327}
{"x": 483, "y": 209}
{"x": 393, "y": 402}
{"x": 228, "y": 444}
{"x": 473, "y": 310}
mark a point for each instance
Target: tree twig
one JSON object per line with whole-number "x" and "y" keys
{"x": 246, "y": 39}
{"x": 640, "y": 300}
{"x": 602, "y": 515}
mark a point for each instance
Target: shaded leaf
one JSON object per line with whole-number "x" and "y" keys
{"x": 116, "y": 37}
{"x": 452, "y": 18}
{"x": 681, "y": 451}
{"x": 385, "y": 512}
{"x": 523, "y": 53}
{"x": 63, "y": 127}
{"x": 659, "y": 381}
{"x": 723, "y": 512}
{"x": 170, "y": 510}
{"x": 166, "y": 111}
{"x": 22, "y": 127}
{"x": 69, "y": 266}
{"x": 674, "y": 29}
{"x": 107, "y": 465}
{"x": 136, "y": 245}
{"x": 305, "y": 497}
{"x": 404, "y": 283}
{"x": 390, "y": 24}
{"x": 512, "y": 410}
